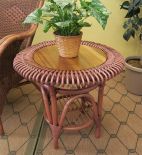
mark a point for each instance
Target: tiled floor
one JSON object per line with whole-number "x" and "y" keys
{"x": 28, "y": 134}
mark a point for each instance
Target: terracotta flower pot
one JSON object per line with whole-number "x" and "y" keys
{"x": 133, "y": 77}
{"x": 68, "y": 46}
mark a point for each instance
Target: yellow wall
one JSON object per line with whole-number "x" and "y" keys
{"x": 111, "y": 36}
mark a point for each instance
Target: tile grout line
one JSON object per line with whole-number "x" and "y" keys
{"x": 35, "y": 133}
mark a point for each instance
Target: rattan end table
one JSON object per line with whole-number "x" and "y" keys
{"x": 70, "y": 80}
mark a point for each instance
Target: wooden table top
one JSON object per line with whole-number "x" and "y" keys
{"x": 88, "y": 57}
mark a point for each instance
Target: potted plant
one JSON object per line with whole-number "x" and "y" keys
{"x": 67, "y": 18}
{"x": 133, "y": 27}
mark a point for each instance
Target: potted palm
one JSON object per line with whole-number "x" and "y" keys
{"x": 133, "y": 27}
{"x": 67, "y": 18}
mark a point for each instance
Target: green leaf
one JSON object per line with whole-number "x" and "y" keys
{"x": 46, "y": 14}
{"x": 84, "y": 24}
{"x": 99, "y": 11}
{"x": 63, "y": 3}
{"x": 63, "y": 24}
{"x": 140, "y": 22}
{"x": 34, "y": 17}
{"x": 46, "y": 6}
{"x": 137, "y": 2}
{"x": 125, "y": 5}
{"x": 84, "y": 4}
{"x": 47, "y": 26}
{"x": 128, "y": 34}
{"x": 125, "y": 25}
{"x": 135, "y": 26}
{"x": 37, "y": 13}
{"x": 132, "y": 12}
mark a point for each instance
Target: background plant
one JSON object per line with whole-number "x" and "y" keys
{"x": 68, "y": 17}
{"x": 133, "y": 24}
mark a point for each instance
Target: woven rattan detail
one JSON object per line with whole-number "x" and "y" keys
{"x": 26, "y": 67}
{"x": 13, "y": 13}
{"x": 68, "y": 46}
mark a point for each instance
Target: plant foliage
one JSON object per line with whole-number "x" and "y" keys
{"x": 68, "y": 17}
{"x": 133, "y": 23}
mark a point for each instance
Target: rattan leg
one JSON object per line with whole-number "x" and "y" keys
{"x": 100, "y": 98}
{"x": 99, "y": 105}
{"x": 46, "y": 102}
{"x": 50, "y": 114}
{"x": 56, "y": 131}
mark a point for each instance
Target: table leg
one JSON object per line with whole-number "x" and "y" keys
{"x": 46, "y": 102}
{"x": 54, "y": 126}
{"x": 99, "y": 105}
{"x": 51, "y": 114}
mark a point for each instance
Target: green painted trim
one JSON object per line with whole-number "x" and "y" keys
{"x": 40, "y": 143}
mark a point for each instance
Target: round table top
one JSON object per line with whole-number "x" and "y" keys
{"x": 95, "y": 64}
{"x": 88, "y": 57}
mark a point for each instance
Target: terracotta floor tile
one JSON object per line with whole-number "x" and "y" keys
{"x": 14, "y": 94}
{"x": 101, "y": 142}
{"x": 128, "y": 103}
{"x": 94, "y": 93}
{"x": 119, "y": 77}
{"x": 31, "y": 124}
{"x": 135, "y": 123}
{"x": 28, "y": 113}
{"x": 127, "y": 136}
{"x": 114, "y": 139}
{"x": 120, "y": 113}
{"x": 49, "y": 150}
{"x": 38, "y": 104}
{"x": 34, "y": 96}
{"x": 47, "y": 136}
{"x": 133, "y": 154}
{"x": 121, "y": 88}
{"x": 11, "y": 124}
{"x": 8, "y": 111}
{"x": 86, "y": 130}
{"x": 21, "y": 103}
{"x": 18, "y": 138}
{"x": 85, "y": 147}
{"x": 139, "y": 146}
{"x": 135, "y": 98}
{"x": 106, "y": 90}
{"x": 4, "y": 147}
{"x": 28, "y": 88}
{"x": 22, "y": 150}
{"x": 138, "y": 110}
{"x": 111, "y": 83}
{"x": 107, "y": 104}
{"x": 110, "y": 124}
{"x": 116, "y": 148}
{"x": 114, "y": 95}
{"x": 70, "y": 140}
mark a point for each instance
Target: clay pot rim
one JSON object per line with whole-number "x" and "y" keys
{"x": 130, "y": 66}
{"x": 55, "y": 33}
